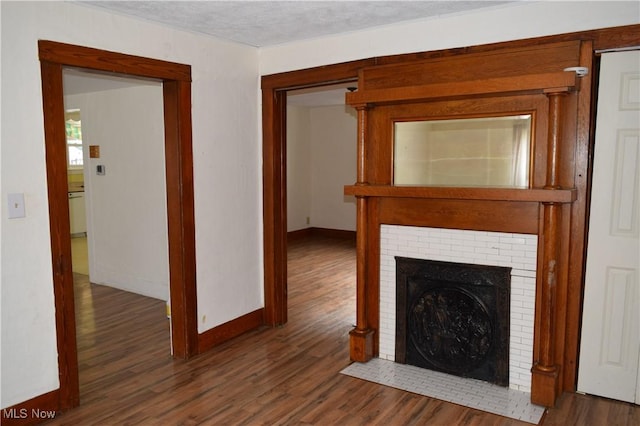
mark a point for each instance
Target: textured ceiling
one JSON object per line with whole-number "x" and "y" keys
{"x": 267, "y": 23}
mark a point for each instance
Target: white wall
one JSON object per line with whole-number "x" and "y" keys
{"x": 127, "y": 231}
{"x": 298, "y": 167}
{"x": 333, "y": 165}
{"x": 321, "y": 160}
{"x": 501, "y": 23}
{"x": 227, "y": 176}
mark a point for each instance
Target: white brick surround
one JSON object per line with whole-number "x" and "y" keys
{"x": 517, "y": 251}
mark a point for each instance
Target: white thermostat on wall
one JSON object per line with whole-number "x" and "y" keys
{"x": 100, "y": 170}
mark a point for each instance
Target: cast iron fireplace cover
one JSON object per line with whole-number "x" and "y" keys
{"x": 451, "y": 328}
{"x": 453, "y": 317}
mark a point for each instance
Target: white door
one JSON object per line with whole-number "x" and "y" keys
{"x": 610, "y": 344}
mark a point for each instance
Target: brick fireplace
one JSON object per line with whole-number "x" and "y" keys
{"x": 516, "y": 251}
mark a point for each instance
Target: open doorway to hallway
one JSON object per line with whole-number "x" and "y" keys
{"x": 122, "y": 180}
{"x": 176, "y": 95}
{"x": 118, "y": 221}
{"x": 321, "y": 160}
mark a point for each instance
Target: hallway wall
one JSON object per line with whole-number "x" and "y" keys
{"x": 127, "y": 208}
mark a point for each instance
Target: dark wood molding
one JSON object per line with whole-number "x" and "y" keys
{"x": 33, "y": 411}
{"x": 323, "y": 232}
{"x": 545, "y": 387}
{"x": 474, "y": 215}
{"x": 496, "y": 194}
{"x": 340, "y": 234}
{"x": 299, "y": 234}
{"x": 102, "y": 60}
{"x": 179, "y": 171}
{"x": 313, "y": 77}
{"x": 180, "y": 217}
{"x": 575, "y": 238}
{"x": 274, "y": 184}
{"x": 602, "y": 39}
{"x": 512, "y": 85}
{"x": 361, "y": 338}
{"x": 57, "y": 187}
{"x": 229, "y": 330}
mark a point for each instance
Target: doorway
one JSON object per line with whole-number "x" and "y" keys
{"x": 115, "y": 129}
{"x": 176, "y": 86}
{"x": 274, "y": 113}
{"x": 321, "y": 160}
{"x": 76, "y": 177}
{"x": 120, "y": 178}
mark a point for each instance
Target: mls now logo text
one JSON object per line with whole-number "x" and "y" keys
{"x": 23, "y": 413}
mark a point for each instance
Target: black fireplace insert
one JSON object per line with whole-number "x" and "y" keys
{"x": 453, "y": 318}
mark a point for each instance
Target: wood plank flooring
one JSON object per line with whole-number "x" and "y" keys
{"x": 281, "y": 376}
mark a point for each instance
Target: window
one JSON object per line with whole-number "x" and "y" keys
{"x": 74, "y": 139}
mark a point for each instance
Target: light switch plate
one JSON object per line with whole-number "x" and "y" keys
{"x": 16, "y": 205}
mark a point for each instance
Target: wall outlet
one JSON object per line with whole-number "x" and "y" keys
{"x": 308, "y": 220}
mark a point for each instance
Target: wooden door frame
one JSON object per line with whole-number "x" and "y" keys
{"x": 274, "y": 164}
{"x": 176, "y": 85}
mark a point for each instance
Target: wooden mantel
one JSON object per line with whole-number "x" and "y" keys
{"x": 521, "y": 84}
{"x": 512, "y": 81}
{"x": 454, "y": 193}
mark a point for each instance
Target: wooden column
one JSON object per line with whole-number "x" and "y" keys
{"x": 545, "y": 373}
{"x": 361, "y": 337}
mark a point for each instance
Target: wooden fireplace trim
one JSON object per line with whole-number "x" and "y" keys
{"x": 487, "y": 194}
{"x": 530, "y": 83}
{"x": 373, "y": 184}
{"x": 396, "y": 209}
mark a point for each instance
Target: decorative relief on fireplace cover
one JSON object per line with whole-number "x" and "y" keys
{"x": 454, "y": 318}
{"x": 451, "y": 328}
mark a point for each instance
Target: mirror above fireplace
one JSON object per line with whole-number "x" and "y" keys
{"x": 467, "y": 152}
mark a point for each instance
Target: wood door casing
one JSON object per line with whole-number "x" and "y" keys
{"x": 179, "y": 186}
{"x": 274, "y": 177}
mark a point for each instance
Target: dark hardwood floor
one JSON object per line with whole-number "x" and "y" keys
{"x": 281, "y": 376}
